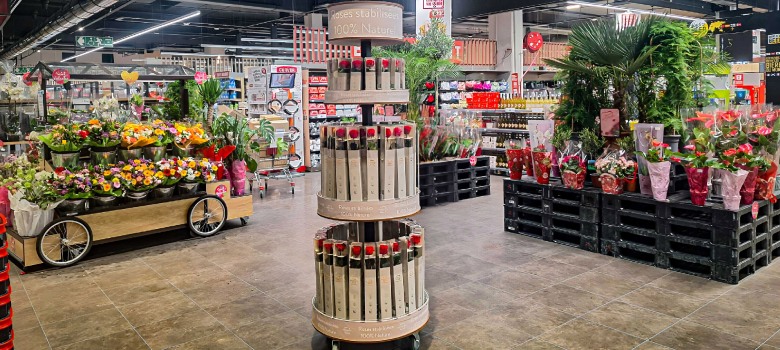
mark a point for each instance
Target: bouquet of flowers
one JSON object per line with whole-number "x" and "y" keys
{"x": 573, "y": 172}
{"x": 106, "y": 180}
{"x": 33, "y": 200}
{"x": 169, "y": 171}
{"x": 102, "y": 133}
{"x": 57, "y": 116}
{"x": 138, "y": 175}
{"x": 65, "y": 138}
{"x": 194, "y": 170}
{"x": 189, "y": 135}
{"x": 613, "y": 169}
{"x": 658, "y": 166}
{"x": 163, "y": 132}
{"x": 136, "y": 135}
{"x": 72, "y": 184}
{"x": 105, "y": 106}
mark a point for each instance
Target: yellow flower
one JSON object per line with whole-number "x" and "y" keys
{"x": 94, "y": 122}
{"x": 191, "y": 164}
{"x": 179, "y": 162}
{"x": 64, "y": 142}
{"x": 214, "y": 168}
{"x": 137, "y": 161}
{"x": 183, "y": 173}
{"x": 197, "y": 174}
{"x": 158, "y": 132}
{"x": 107, "y": 173}
{"x": 148, "y": 173}
{"x": 159, "y": 175}
{"x": 115, "y": 180}
{"x": 106, "y": 187}
{"x": 127, "y": 167}
{"x": 134, "y": 182}
{"x": 147, "y": 181}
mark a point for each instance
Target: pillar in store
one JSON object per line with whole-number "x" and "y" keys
{"x": 427, "y": 9}
{"x": 507, "y": 30}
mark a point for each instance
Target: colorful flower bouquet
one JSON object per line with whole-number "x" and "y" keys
{"x": 138, "y": 175}
{"x": 188, "y": 136}
{"x": 573, "y": 171}
{"x": 197, "y": 170}
{"x": 169, "y": 171}
{"x": 135, "y": 135}
{"x": 72, "y": 184}
{"x": 163, "y": 132}
{"x": 697, "y": 163}
{"x": 64, "y": 138}
{"x": 102, "y": 134}
{"x": 613, "y": 170}
{"x": 106, "y": 180}
{"x": 658, "y": 166}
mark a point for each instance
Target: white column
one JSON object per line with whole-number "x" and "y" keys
{"x": 507, "y": 30}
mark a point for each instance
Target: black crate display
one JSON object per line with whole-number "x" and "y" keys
{"x": 454, "y": 180}
{"x": 706, "y": 241}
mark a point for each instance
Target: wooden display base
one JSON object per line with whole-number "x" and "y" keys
{"x": 367, "y": 97}
{"x": 367, "y": 210}
{"x": 370, "y": 331}
{"x": 131, "y": 220}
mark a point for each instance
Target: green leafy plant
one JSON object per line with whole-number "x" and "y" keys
{"x": 210, "y": 91}
{"x": 626, "y": 143}
{"x": 562, "y": 134}
{"x": 659, "y": 152}
{"x": 592, "y": 143}
{"x": 235, "y": 131}
{"x": 572, "y": 163}
{"x": 173, "y": 100}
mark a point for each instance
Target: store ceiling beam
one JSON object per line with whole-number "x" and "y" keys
{"x": 298, "y": 7}
{"x": 696, "y": 6}
{"x": 470, "y": 8}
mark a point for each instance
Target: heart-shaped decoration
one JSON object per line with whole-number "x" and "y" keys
{"x": 200, "y": 77}
{"x": 129, "y": 77}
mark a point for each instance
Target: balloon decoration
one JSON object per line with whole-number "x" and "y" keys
{"x": 533, "y": 41}
{"x": 129, "y": 77}
{"x": 26, "y": 79}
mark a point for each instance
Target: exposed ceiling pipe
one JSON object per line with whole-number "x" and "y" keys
{"x": 72, "y": 14}
{"x": 10, "y": 11}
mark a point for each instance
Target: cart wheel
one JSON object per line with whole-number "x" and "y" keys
{"x": 244, "y": 220}
{"x": 207, "y": 216}
{"x": 416, "y": 341}
{"x": 64, "y": 242}
{"x": 335, "y": 344}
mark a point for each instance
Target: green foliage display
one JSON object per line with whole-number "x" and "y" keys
{"x": 427, "y": 60}
{"x": 210, "y": 91}
{"x": 592, "y": 143}
{"x": 235, "y": 131}
{"x": 172, "y": 94}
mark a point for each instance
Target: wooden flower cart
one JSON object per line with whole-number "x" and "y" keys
{"x": 68, "y": 239}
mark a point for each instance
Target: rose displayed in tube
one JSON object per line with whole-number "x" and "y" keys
{"x": 542, "y": 165}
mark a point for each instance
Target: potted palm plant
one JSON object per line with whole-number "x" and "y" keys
{"x": 210, "y": 91}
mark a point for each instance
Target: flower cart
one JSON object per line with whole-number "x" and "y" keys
{"x": 68, "y": 239}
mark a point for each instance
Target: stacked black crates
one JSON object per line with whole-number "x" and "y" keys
{"x": 454, "y": 180}
{"x": 552, "y": 213}
{"x": 774, "y": 231}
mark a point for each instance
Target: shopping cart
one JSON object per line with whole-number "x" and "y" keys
{"x": 272, "y": 166}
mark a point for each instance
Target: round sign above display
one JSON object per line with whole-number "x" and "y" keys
{"x": 351, "y": 22}
{"x": 533, "y": 41}
{"x": 60, "y": 75}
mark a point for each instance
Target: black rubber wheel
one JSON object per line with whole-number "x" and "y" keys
{"x": 244, "y": 220}
{"x": 64, "y": 242}
{"x": 207, "y": 215}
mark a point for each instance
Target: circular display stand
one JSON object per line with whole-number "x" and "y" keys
{"x": 367, "y": 210}
{"x": 339, "y": 330}
{"x": 367, "y": 97}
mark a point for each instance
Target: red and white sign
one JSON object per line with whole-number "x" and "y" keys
{"x": 356, "y": 52}
{"x": 286, "y": 69}
{"x": 473, "y": 160}
{"x": 220, "y": 191}
{"x": 225, "y": 74}
{"x": 739, "y": 78}
{"x": 626, "y": 19}
{"x": 26, "y": 79}
{"x": 754, "y": 210}
{"x": 515, "y": 84}
{"x": 433, "y": 4}
{"x": 457, "y": 52}
{"x": 60, "y": 75}
{"x": 533, "y": 41}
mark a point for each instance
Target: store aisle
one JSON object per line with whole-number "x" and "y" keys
{"x": 251, "y": 287}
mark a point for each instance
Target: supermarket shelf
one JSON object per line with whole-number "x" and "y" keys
{"x": 317, "y": 84}
{"x": 488, "y": 149}
{"x": 502, "y": 110}
{"x": 330, "y": 117}
{"x": 230, "y": 99}
{"x": 502, "y": 130}
{"x": 316, "y": 101}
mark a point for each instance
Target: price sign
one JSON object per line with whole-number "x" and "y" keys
{"x": 60, "y": 75}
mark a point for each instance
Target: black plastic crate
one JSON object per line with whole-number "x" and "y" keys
{"x": 482, "y": 161}
{"x": 530, "y": 203}
{"x": 678, "y": 183}
{"x": 532, "y": 216}
{"x": 584, "y": 228}
{"x": 572, "y": 210}
{"x": 588, "y": 197}
{"x": 438, "y": 198}
{"x": 527, "y": 228}
{"x": 695, "y": 248}
{"x": 527, "y": 188}
{"x": 633, "y": 219}
{"x": 430, "y": 168}
{"x": 633, "y": 252}
{"x": 680, "y": 208}
{"x": 731, "y": 274}
{"x": 774, "y": 251}
{"x": 574, "y": 239}
{"x": 646, "y": 238}
{"x": 634, "y": 203}
{"x": 473, "y": 192}
{"x": 718, "y": 235}
{"x": 761, "y": 260}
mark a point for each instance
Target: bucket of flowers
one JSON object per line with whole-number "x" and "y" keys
{"x": 65, "y": 142}
{"x": 195, "y": 172}
{"x": 134, "y": 136}
{"x": 75, "y": 187}
{"x": 106, "y": 185}
{"x": 187, "y": 137}
{"x": 138, "y": 178}
{"x": 102, "y": 138}
{"x": 613, "y": 170}
{"x": 169, "y": 172}
{"x": 163, "y": 133}
{"x": 33, "y": 200}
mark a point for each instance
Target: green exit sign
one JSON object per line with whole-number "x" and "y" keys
{"x": 94, "y": 41}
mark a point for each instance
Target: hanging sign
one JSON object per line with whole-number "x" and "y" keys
{"x": 533, "y": 41}
{"x": 129, "y": 78}
{"x": 515, "y": 84}
{"x": 610, "y": 122}
{"x": 225, "y": 74}
{"x": 60, "y": 76}
{"x": 433, "y": 4}
{"x": 351, "y": 22}
{"x": 457, "y": 52}
{"x": 200, "y": 77}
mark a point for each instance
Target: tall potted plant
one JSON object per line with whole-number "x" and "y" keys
{"x": 210, "y": 91}
{"x": 235, "y": 131}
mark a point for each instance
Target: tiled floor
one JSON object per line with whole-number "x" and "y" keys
{"x": 251, "y": 287}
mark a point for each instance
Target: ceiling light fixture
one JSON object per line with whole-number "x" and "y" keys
{"x": 269, "y": 40}
{"x": 248, "y": 47}
{"x": 617, "y": 8}
{"x": 198, "y": 54}
{"x": 145, "y": 31}
{"x": 573, "y": 7}
{"x": 81, "y": 29}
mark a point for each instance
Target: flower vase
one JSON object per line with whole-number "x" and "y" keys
{"x": 186, "y": 188}
{"x": 103, "y": 201}
{"x": 730, "y": 188}
{"x": 748, "y": 190}
{"x": 182, "y": 152}
{"x": 137, "y": 196}
{"x": 238, "y": 177}
{"x": 153, "y": 153}
{"x": 697, "y": 182}
{"x": 611, "y": 184}
{"x": 515, "y": 158}
{"x": 527, "y": 163}
{"x": 68, "y": 160}
{"x": 73, "y": 206}
{"x": 629, "y": 184}
{"x": 646, "y": 184}
{"x": 574, "y": 180}
{"x": 659, "y": 179}
{"x": 542, "y": 166}
{"x": 163, "y": 191}
{"x": 102, "y": 155}
{"x": 765, "y": 184}
{"x": 126, "y": 155}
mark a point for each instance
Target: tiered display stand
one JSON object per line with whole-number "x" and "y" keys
{"x": 361, "y": 23}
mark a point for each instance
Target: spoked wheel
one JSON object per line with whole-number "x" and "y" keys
{"x": 416, "y": 341}
{"x": 64, "y": 242}
{"x": 207, "y": 216}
